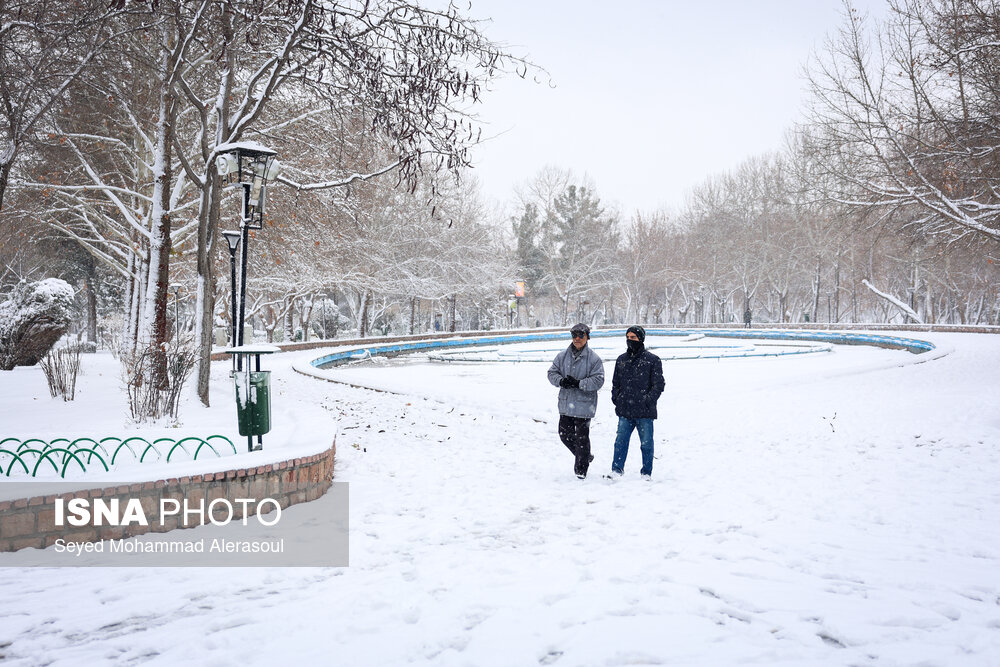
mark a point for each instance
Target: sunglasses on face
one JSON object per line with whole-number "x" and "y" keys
{"x": 579, "y": 335}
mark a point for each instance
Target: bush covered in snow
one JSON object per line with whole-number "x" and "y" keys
{"x": 32, "y": 318}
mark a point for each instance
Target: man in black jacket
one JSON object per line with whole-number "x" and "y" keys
{"x": 635, "y": 388}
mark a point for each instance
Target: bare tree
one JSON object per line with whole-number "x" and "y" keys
{"x": 214, "y": 72}
{"x": 403, "y": 71}
{"x": 643, "y": 263}
{"x": 45, "y": 47}
{"x": 905, "y": 115}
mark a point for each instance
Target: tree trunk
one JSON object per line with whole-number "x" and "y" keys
{"x": 208, "y": 216}
{"x": 289, "y": 319}
{"x": 90, "y": 283}
{"x": 205, "y": 302}
{"x": 305, "y": 316}
{"x": 836, "y": 290}
{"x": 363, "y": 320}
{"x": 270, "y": 323}
{"x": 854, "y": 304}
{"x": 816, "y": 286}
{"x": 138, "y": 303}
{"x": 91, "y": 311}
{"x": 153, "y": 327}
{"x": 159, "y": 339}
{"x": 5, "y": 176}
{"x": 929, "y": 304}
{"x": 914, "y": 288}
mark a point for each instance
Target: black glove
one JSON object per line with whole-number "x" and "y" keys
{"x": 569, "y": 381}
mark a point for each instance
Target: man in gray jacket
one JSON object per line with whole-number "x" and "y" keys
{"x": 579, "y": 373}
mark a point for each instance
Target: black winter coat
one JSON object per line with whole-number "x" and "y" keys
{"x": 637, "y": 385}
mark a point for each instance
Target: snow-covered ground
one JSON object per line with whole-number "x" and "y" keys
{"x": 836, "y": 508}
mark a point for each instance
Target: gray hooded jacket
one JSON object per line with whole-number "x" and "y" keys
{"x": 586, "y": 367}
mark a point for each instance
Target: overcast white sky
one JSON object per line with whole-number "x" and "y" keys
{"x": 650, "y": 97}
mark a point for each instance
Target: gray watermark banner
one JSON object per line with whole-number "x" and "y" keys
{"x": 250, "y": 530}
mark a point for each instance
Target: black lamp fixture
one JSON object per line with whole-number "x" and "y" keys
{"x": 249, "y": 165}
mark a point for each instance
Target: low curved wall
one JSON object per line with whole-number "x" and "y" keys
{"x": 687, "y": 328}
{"x": 30, "y": 522}
{"x": 913, "y": 345}
{"x": 391, "y": 348}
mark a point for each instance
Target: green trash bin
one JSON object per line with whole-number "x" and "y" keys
{"x": 253, "y": 401}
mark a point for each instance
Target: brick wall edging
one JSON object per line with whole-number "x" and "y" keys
{"x": 30, "y": 522}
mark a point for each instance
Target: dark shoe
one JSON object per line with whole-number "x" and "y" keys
{"x": 581, "y": 476}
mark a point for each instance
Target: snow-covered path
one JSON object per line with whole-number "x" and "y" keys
{"x": 802, "y": 512}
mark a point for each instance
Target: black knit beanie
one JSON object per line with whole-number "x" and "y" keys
{"x": 638, "y": 331}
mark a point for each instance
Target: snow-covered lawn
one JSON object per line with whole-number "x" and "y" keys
{"x": 830, "y": 509}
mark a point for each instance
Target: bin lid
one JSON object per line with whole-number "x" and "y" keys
{"x": 259, "y": 348}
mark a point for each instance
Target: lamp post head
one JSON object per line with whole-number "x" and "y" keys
{"x": 233, "y": 239}
{"x": 252, "y": 166}
{"x": 246, "y": 163}
{"x": 242, "y": 161}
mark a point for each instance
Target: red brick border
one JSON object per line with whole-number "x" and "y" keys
{"x": 29, "y": 522}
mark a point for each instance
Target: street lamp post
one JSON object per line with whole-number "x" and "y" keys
{"x": 249, "y": 165}
{"x": 233, "y": 241}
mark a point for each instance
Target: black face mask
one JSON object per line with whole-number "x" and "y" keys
{"x": 634, "y": 346}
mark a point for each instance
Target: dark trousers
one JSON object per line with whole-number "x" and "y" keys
{"x": 575, "y": 434}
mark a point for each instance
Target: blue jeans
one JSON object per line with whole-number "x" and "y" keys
{"x": 625, "y": 427}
